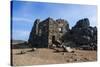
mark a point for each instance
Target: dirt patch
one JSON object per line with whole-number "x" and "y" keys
{"x": 50, "y": 56}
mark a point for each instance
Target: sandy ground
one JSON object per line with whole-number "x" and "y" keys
{"x": 50, "y": 56}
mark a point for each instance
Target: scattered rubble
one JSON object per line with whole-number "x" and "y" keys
{"x": 22, "y": 52}
{"x": 34, "y": 49}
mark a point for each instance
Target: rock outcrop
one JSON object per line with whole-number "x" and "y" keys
{"x": 82, "y": 35}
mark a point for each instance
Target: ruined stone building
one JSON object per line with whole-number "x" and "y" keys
{"x": 44, "y": 32}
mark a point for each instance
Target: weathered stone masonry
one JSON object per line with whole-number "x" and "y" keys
{"x": 44, "y": 32}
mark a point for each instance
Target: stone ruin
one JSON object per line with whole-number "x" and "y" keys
{"x": 45, "y": 33}
{"x": 48, "y": 32}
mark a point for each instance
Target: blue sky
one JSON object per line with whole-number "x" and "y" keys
{"x": 24, "y": 14}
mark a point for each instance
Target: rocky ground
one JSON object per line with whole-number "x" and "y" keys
{"x": 50, "y": 56}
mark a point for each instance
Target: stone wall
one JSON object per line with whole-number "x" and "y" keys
{"x": 43, "y": 32}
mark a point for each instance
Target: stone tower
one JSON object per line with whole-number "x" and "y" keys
{"x": 44, "y": 32}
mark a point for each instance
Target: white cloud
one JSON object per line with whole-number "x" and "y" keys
{"x": 21, "y": 19}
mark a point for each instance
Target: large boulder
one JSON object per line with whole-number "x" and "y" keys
{"x": 67, "y": 49}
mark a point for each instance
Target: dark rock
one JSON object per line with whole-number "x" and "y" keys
{"x": 22, "y": 52}
{"x": 76, "y": 59}
{"x": 82, "y": 34}
{"x": 86, "y": 59}
{"x": 83, "y": 23}
{"x": 63, "y": 54}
